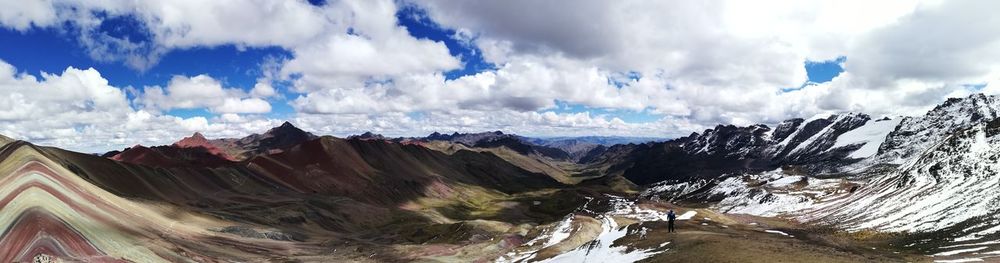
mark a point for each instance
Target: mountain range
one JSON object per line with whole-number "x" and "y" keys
{"x": 289, "y": 195}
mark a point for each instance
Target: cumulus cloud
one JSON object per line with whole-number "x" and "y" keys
{"x": 171, "y": 24}
{"x": 203, "y": 91}
{"x": 355, "y": 68}
{"x": 734, "y": 61}
{"x": 59, "y": 99}
{"x": 263, "y": 90}
{"x": 370, "y": 46}
{"x": 77, "y": 109}
{"x": 24, "y": 15}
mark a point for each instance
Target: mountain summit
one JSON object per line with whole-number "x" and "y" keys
{"x": 218, "y": 151}
{"x": 274, "y": 140}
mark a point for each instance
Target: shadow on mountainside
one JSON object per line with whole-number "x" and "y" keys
{"x": 351, "y": 189}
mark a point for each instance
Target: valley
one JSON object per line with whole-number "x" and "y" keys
{"x": 843, "y": 188}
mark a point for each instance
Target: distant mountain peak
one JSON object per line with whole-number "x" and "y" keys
{"x": 195, "y": 140}
{"x": 287, "y": 129}
{"x": 274, "y": 140}
{"x": 368, "y": 136}
{"x": 198, "y": 141}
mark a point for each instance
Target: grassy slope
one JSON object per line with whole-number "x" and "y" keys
{"x": 741, "y": 238}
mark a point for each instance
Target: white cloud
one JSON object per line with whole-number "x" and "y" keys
{"x": 78, "y": 110}
{"x": 202, "y": 91}
{"x": 58, "y": 98}
{"x": 172, "y": 24}
{"x": 249, "y": 22}
{"x": 251, "y": 105}
{"x": 954, "y": 42}
{"x": 728, "y": 61}
{"x": 22, "y": 15}
{"x": 376, "y": 48}
{"x": 263, "y": 90}
{"x": 701, "y": 63}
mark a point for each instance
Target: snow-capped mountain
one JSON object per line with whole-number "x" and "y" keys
{"x": 817, "y": 145}
{"x": 953, "y": 182}
{"x": 934, "y": 176}
{"x": 916, "y": 134}
{"x": 947, "y": 177}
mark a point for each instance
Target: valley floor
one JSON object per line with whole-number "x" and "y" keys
{"x": 714, "y": 237}
{"x": 636, "y": 233}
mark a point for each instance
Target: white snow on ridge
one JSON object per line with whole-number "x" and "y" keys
{"x": 676, "y": 189}
{"x": 980, "y": 145}
{"x": 801, "y": 126}
{"x": 561, "y": 232}
{"x": 776, "y": 198}
{"x": 601, "y": 250}
{"x": 961, "y": 260}
{"x": 960, "y": 251}
{"x": 628, "y": 209}
{"x": 809, "y": 141}
{"x": 927, "y": 194}
{"x": 785, "y": 181}
{"x": 980, "y": 234}
{"x": 776, "y": 232}
{"x": 872, "y": 134}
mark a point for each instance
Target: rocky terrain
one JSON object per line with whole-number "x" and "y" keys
{"x": 840, "y": 188}
{"x": 932, "y": 179}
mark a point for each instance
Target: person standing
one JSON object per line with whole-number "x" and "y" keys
{"x": 670, "y": 220}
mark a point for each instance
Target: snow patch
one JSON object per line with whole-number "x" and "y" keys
{"x": 785, "y": 181}
{"x": 960, "y": 251}
{"x": 740, "y": 198}
{"x": 601, "y": 249}
{"x": 776, "y": 232}
{"x": 872, "y": 134}
{"x": 960, "y": 260}
{"x": 561, "y": 232}
{"x": 687, "y": 215}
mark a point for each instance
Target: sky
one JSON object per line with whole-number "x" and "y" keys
{"x": 99, "y": 75}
